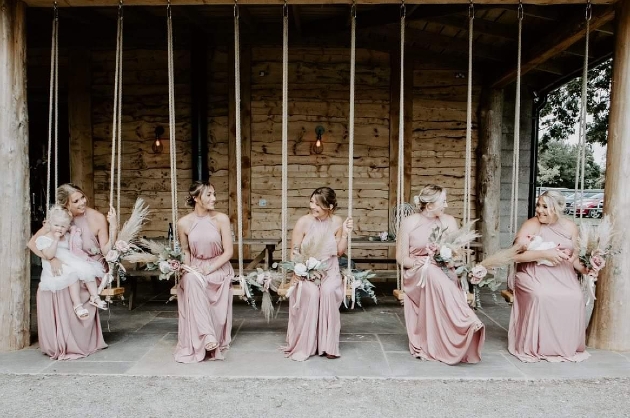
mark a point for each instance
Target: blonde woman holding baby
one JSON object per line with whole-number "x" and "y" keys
{"x": 547, "y": 320}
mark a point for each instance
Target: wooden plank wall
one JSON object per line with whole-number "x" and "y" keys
{"x": 145, "y": 106}
{"x": 439, "y": 133}
{"x": 319, "y": 95}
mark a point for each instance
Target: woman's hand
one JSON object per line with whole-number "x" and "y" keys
{"x": 56, "y": 267}
{"x": 555, "y": 256}
{"x": 112, "y": 219}
{"x": 348, "y": 226}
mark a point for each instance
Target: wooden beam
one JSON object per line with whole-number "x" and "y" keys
{"x": 609, "y": 325}
{"x": 15, "y": 222}
{"x": 489, "y": 173}
{"x": 484, "y": 27}
{"x": 80, "y": 120}
{"x": 113, "y": 3}
{"x": 567, "y": 35}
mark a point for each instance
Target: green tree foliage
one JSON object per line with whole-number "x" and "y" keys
{"x": 560, "y": 114}
{"x": 556, "y": 166}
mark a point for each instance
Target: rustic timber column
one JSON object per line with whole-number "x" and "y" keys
{"x": 609, "y": 327}
{"x": 489, "y": 182}
{"x": 14, "y": 180}
{"x": 80, "y": 121}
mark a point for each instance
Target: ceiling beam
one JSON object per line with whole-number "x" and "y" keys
{"x": 113, "y": 3}
{"x": 481, "y": 26}
{"x": 568, "y": 34}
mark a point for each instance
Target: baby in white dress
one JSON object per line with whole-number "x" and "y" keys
{"x": 76, "y": 268}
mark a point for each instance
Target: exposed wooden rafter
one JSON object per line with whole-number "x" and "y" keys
{"x": 112, "y": 3}
{"x": 568, "y": 34}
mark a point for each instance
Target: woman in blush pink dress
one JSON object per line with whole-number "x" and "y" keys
{"x": 440, "y": 324}
{"x": 314, "y": 320}
{"x": 62, "y": 335}
{"x": 204, "y": 298}
{"x": 548, "y": 319}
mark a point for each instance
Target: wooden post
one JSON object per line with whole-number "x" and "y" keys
{"x": 609, "y": 326}
{"x": 80, "y": 121}
{"x": 14, "y": 180}
{"x": 489, "y": 182}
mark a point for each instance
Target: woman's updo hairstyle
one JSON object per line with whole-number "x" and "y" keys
{"x": 65, "y": 191}
{"x": 195, "y": 190}
{"x": 555, "y": 201}
{"x": 326, "y": 198}
{"x": 59, "y": 212}
{"x": 429, "y": 194}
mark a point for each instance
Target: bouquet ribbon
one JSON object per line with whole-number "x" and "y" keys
{"x": 194, "y": 273}
{"x": 589, "y": 284}
{"x": 424, "y": 270}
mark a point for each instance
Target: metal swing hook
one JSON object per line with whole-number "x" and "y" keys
{"x": 403, "y": 9}
{"x": 520, "y": 10}
{"x": 236, "y": 13}
{"x": 589, "y": 10}
{"x": 285, "y": 9}
{"x": 168, "y": 10}
{"x": 353, "y": 9}
{"x": 471, "y": 10}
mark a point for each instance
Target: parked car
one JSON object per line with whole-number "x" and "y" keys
{"x": 589, "y": 207}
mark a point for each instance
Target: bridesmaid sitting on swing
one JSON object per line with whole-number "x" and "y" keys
{"x": 314, "y": 319}
{"x": 204, "y": 298}
{"x": 440, "y": 324}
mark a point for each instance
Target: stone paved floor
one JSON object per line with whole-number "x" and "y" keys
{"x": 373, "y": 345}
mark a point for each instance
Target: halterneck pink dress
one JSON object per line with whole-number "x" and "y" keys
{"x": 204, "y": 302}
{"x": 548, "y": 320}
{"x": 62, "y": 335}
{"x": 314, "y": 319}
{"x": 440, "y": 324}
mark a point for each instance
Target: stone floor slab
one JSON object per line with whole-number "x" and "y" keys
{"x": 89, "y": 367}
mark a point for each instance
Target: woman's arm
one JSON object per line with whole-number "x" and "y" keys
{"x": 106, "y": 233}
{"x": 182, "y": 233}
{"x": 402, "y": 243}
{"x": 341, "y": 235}
{"x": 530, "y": 228}
{"x": 226, "y": 240}
{"x": 33, "y": 246}
{"x": 298, "y": 235}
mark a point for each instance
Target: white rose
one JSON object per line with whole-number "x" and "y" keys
{"x": 112, "y": 256}
{"x": 260, "y": 279}
{"x": 416, "y": 200}
{"x": 446, "y": 253}
{"x": 165, "y": 267}
{"x": 312, "y": 263}
{"x": 300, "y": 270}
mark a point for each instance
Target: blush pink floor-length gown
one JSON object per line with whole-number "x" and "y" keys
{"x": 204, "y": 302}
{"x": 440, "y": 324}
{"x": 548, "y": 319}
{"x": 62, "y": 335}
{"x": 315, "y": 322}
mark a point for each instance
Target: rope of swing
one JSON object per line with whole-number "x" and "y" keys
{"x": 581, "y": 154}
{"x": 512, "y": 227}
{"x": 353, "y": 29}
{"x": 117, "y": 115}
{"x": 53, "y": 109}
{"x": 401, "y": 138}
{"x": 171, "y": 123}
{"x": 237, "y": 122}
{"x": 285, "y": 129}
